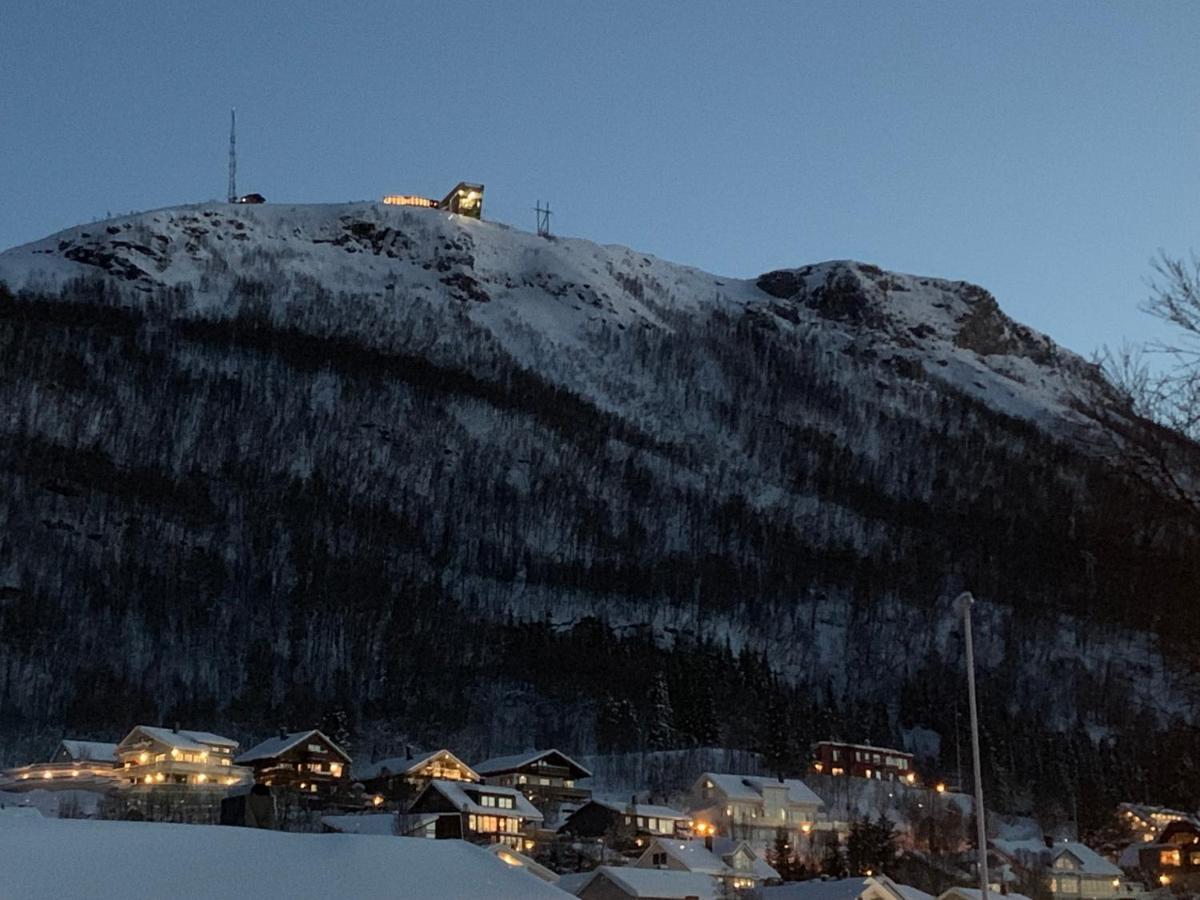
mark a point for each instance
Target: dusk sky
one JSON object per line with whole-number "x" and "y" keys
{"x": 1043, "y": 150}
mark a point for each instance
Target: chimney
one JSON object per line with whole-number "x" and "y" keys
{"x": 408, "y": 751}
{"x": 708, "y": 842}
{"x": 282, "y": 733}
{"x": 176, "y": 728}
{"x": 1048, "y": 841}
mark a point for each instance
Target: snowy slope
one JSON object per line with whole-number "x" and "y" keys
{"x": 545, "y": 300}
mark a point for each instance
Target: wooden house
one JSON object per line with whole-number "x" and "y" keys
{"x": 304, "y": 761}
{"x": 863, "y": 761}
{"x": 481, "y": 813}
{"x": 752, "y": 807}
{"x": 735, "y": 863}
{"x": 154, "y": 759}
{"x": 548, "y": 778}
{"x": 401, "y": 778}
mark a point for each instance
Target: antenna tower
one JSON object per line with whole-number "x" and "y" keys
{"x": 543, "y": 219}
{"x": 233, "y": 156}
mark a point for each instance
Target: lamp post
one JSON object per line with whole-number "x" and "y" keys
{"x": 964, "y": 602}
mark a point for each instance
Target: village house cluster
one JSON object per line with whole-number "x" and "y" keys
{"x": 720, "y": 837}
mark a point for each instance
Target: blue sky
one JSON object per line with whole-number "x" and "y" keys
{"x": 1044, "y": 150}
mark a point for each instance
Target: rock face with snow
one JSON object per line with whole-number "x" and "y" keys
{"x": 260, "y": 463}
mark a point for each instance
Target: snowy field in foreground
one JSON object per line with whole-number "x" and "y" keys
{"x": 64, "y": 859}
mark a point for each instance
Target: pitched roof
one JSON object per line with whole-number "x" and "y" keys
{"x": 457, "y": 793}
{"x": 92, "y": 751}
{"x": 403, "y": 765}
{"x": 692, "y": 854}
{"x": 272, "y": 747}
{"x": 364, "y": 823}
{"x": 498, "y": 764}
{"x": 750, "y": 787}
{"x": 519, "y": 860}
{"x": 817, "y": 889}
{"x": 973, "y": 894}
{"x": 182, "y": 739}
{"x": 662, "y": 884}
{"x": 1090, "y": 861}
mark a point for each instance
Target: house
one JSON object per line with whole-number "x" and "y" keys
{"x": 1078, "y": 871}
{"x": 480, "y": 813}
{"x": 401, "y": 778}
{"x": 46, "y": 858}
{"x": 465, "y": 199}
{"x": 963, "y": 893}
{"x": 733, "y": 862}
{"x": 304, "y": 761}
{"x": 599, "y": 818}
{"x": 75, "y": 764}
{"x": 876, "y": 887}
{"x": 622, "y": 882}
{"x": 1148, "y": 821}
{"x": 753, "y": 808}
{"x": 549, "y": 778}
{"x": 154, "y": 758}
{"x": 863, "y": 761}
{"x": 1172, "y": 859}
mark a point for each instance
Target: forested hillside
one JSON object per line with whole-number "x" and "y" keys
{"x": 470, "y": 486}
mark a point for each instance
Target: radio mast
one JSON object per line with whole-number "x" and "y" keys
{"x": 233, "y": 156}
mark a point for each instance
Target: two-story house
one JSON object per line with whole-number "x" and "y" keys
{"x": 1080, "y": 873}
{"x": 481, "y": 813}
{"x": 752, "y": 807}
{"x": 401, "y": 778}
{"x": 304, "y": 761}
{"x": 548, "y": 778}
{"x": 154, "y": 758}
{"x": 863, "y": 761}
{"x": 733, "y": 862}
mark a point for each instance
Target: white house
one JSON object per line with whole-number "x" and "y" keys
{"x": 622, "y": 882}
{"x": 154, "y": 759}
{"x": 1080, "y": 873}
{"x": 734, "y": 862}
{"x": 876, "y": 887}
{"x": 75, "y": 764}
{"x": 753, "y": 808}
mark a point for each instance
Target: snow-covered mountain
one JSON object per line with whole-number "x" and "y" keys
{"x": 264, "y": 462}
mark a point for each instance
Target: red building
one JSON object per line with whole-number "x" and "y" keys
{"x": 863, "y": 761}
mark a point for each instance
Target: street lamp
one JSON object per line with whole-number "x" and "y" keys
{"x": 964, "y": 602}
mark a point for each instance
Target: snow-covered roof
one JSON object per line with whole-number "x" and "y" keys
{"x": 642, "y": 809}
{"x": 965, "y": 893}
{"x": 816, "y": 889}
{"x": 404, "y": 765}
{"x": 200, "y": 862}
{"x": 92, "y": 751}
{"x": 462, "y": 795}
{"x": 272, "y": 747}
{"x": 662, "y": 884}
{"x": 1091, "y": 862}
{"x": 498, "y": 764}
{"x": 182, "y": 739}
{"x": 871, "y": 747}
{"x": 364, "y": 823}
{"x": 519, "y": 860}
{"x": 750, "y": 787}
{"x": 1131, "y": 857}
{"x": 693, "y": 855}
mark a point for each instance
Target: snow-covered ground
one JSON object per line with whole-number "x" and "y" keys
{"x": 49, "y": 858}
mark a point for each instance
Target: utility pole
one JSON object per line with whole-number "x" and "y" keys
{"x": 233, "y": 156}
{"x": 964, "y": 602}
{"x": 543, "y": 219}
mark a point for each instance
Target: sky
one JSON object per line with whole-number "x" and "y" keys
{"x": 1046, "y": 150}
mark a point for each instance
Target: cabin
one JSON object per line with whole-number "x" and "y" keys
{"x": 548, "y": 778}
{"x": 752, "y": 808}
{"x": 401, "y": 778}
{"x": 480, "y": 813}
{"x": 863, "y": 761}
{"x": 75, "y": 764}
{"x": 304, "y": 761}
{"x": 1172, "y": 859}
{"x": 733, "y": 862}
{"x": 603, "y": 818}
{"x": 1078, "y": 871}
{"x": 153, "y": 759}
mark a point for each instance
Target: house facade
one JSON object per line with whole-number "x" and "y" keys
{"x": 480, "y": 813}
{"x": 1173, "y": 858}
{"x": 600, "y": 818}
{"x": 733, "y": 862}
{"x": 401, "y": 778}
{"x": 307, "y": 762}
{"x": 154, "y": 759}
{"x": 863, "y": 761}
{"x": 548, "y": 778}
{"x": 1080, "y": 873}
{"x": 753, "y": 808}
